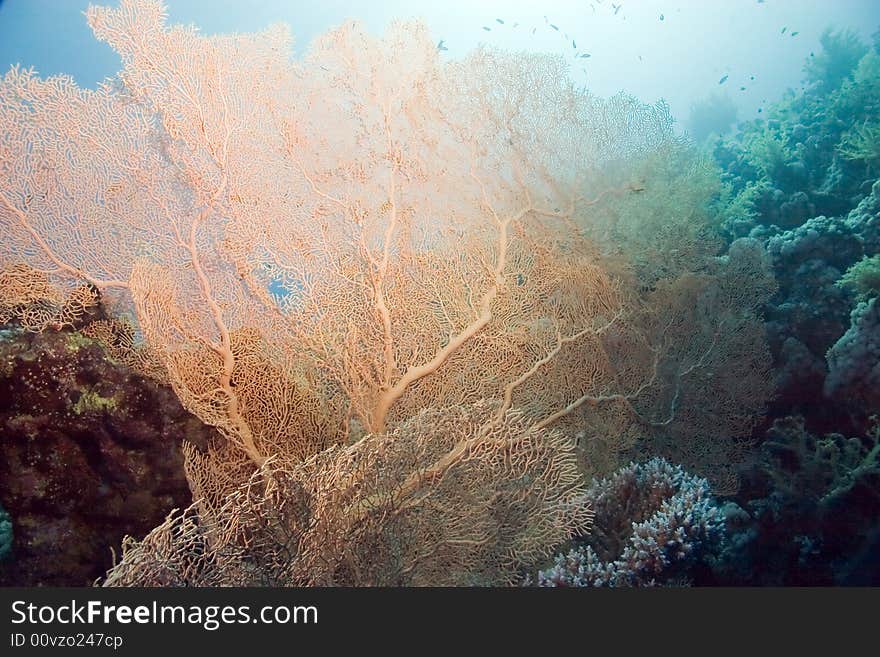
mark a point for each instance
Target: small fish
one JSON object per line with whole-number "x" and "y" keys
{"x": 545, "y": 20}
{"x": 498, "y": 20}
{"x": 723, "y": 79}
{"x": 795, "y": 33}
{"x": 516, "y": 24}
{"x": 488, "y": 29}
{"x": 585, "y": 55}
{"x": 574, "y": 45}
{"x": 554, "y": 27}
{"x": 616, "y": 8}
{"x": 812, "y": 55}
{"x": 760, "y": 110}
{"x": 783, "y": 30}
{"x": 640, "y": 58}
{"x": 662, "y": 17}
{"x": 533, "y": 29}
{"x": 440, "y": 45}
{"x": 752, "y": 78}
{"x": 760, "y": 2}
{"x": 742, "y": 88}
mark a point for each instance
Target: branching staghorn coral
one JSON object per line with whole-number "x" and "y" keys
{"x": 653, "y": 521}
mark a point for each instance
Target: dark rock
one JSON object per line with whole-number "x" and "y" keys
{"x": 90, "y": 453}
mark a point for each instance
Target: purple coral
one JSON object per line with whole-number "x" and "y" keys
{"x": 653, "y": 521}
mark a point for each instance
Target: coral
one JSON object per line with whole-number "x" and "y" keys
{"x": 5, "y": 534}
{"x": 797, "y": 156}
{"x": 391, "y": 510}
{"x": 798, "y": 369}
{"x": 663, "y": 226}
{"x": 34, "y": 302}
{"x": 796, "y": 210}
{"x": 864, "y": 220}
{"x": 827, "y": 239}
{"x": 790, "y": 184}
{"x": 821, "y": 470}
{"x": 810, "y": 518}
{"x": 862, "y": 143}
{"x": 810, "y": 312}
{"x": 736, "y": 368}
{"x": 858, "y": 96}
{"x": 653, "y": 523}
{"x": 854, "y": 360}
{"x": 863, "y": 278}
{"x": 770, "y": 153}
{"x": 734, "y": 211}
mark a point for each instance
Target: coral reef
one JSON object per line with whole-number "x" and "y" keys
{"x": 479, "y": 246}
{"x": 812, "y": 156}
{"x": 411, "y": 338}
{"x": 804, "y": 183}
{"x": 793, "y": 181}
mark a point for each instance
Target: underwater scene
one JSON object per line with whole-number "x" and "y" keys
{"x": 506, "y": 294}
